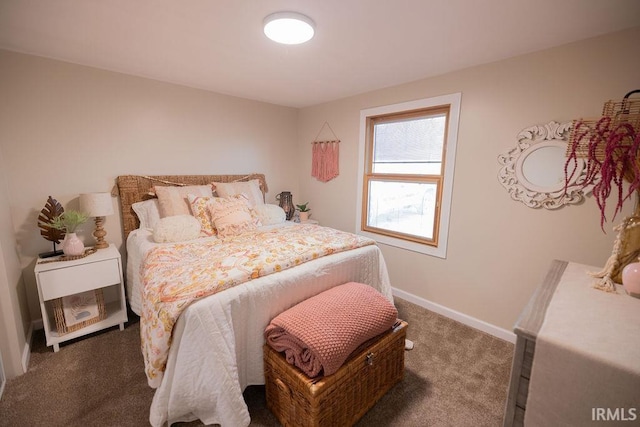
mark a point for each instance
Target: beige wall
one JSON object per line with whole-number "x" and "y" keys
{"x": 499, "y": 249}
{"x": 67, "y": 129}
{"x": 14, "y": 318}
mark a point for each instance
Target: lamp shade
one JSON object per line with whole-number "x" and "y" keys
{"x": 96, "y": 204}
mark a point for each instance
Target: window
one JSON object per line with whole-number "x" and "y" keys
{"x": 407, "y": 154}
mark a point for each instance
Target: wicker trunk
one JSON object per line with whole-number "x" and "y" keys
{"x": 340, "y": 399}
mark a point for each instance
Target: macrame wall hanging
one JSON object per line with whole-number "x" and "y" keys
{"x": 325, "y": 158}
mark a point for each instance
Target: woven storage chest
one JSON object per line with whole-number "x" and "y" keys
{"x": 340, "y": 399}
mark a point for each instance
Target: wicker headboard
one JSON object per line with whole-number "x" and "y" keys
{"x": 135, "y": 188}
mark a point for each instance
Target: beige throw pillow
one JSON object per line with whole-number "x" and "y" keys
{"x": 173, "y": 200}
{"x": 251, "y": 189}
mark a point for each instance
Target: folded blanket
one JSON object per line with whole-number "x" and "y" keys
{"x": 320, "y": 333}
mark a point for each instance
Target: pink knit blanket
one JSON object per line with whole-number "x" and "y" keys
{"x": 319, "y": 334}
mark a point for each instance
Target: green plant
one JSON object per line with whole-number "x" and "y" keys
{"x": 69, "y": 221}
{"x": 303, "y": 207}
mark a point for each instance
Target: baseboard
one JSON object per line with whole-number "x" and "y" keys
{"x": 465, "y": 319}
{"x": 3, "y": 378}
{"x": 37, "y": 325}
{"x": 26, "y": 352}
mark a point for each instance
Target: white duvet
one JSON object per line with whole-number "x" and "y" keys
{"x": 217, "y": 342}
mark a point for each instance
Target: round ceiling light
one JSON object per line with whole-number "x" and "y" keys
{"x": 289, "y": 27}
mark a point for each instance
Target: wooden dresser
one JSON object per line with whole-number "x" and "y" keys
{"x": 526, "y": 330}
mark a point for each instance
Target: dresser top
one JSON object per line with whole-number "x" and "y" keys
{"x": 530, "y": 321}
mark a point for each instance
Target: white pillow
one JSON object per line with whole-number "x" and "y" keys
{"x": 148, "y": 213}
{"x": 251, "y": 189}
{"x": 176, "y": 228}
{"x": 270, "y": 214}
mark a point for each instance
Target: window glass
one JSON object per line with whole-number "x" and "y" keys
{"x": 402, "y": 207}
{"x": 412, "y": 146}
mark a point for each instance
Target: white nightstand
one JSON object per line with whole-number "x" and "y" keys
{"x": 310, "y": 221}
{"x": 101, "y": 270}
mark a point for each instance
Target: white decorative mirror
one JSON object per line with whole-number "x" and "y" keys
{"x": 533, "y": 172}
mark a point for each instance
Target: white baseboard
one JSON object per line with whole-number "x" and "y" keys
{"x": 3, "y": 378}
{"x": 465, "y": 319}
{"x": 26, "y": 352}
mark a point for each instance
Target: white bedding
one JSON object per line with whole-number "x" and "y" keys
{"x": 217, "y": 344}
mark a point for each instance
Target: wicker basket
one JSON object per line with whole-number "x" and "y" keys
{"x": 592, "y": 134}
{"x": 340, "y": 399}
{"x": 61, "y": 324}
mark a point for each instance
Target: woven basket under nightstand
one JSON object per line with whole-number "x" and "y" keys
{"x": 340, "y": 399}
{"x": 61, "y": 324}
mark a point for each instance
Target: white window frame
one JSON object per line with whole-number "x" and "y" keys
{"x": 453, "y": 100}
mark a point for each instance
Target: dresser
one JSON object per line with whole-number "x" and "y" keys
{"x": 577, "y": 353}
{"x": 526, "y": 330}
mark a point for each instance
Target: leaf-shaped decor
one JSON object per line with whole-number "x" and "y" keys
{"x": 51, "y": 210}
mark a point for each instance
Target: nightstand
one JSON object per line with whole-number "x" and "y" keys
{"x": 310, "y": 221}
{"x": 101, "y": 271}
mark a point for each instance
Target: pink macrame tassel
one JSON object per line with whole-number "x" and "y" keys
{"x": 325, "y": 160}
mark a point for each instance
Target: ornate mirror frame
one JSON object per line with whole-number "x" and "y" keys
{"x": 533, "y": 172}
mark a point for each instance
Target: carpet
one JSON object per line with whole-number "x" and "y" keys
{"x": 455, "y": 376}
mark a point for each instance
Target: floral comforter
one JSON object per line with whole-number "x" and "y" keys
{"x": 176, "y": 275}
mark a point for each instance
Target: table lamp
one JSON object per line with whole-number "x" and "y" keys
{"x": 97, "y": 205}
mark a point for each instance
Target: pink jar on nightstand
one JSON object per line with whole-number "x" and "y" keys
{"x": 631, "y": 279}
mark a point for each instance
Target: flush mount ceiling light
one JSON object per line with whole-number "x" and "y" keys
{"x": 289, "y": 27}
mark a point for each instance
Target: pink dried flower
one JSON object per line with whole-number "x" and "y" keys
{"x": 612, "y": 158}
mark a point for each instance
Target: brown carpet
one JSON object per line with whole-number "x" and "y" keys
{"x": 455, "y": 376}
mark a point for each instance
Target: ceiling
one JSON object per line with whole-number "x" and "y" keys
{"x": 359, "y": 46}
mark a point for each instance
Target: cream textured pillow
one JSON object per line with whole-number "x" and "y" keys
{"x": 200, "y": 210}
{"x": 230, "y": 216}
{"x": 147, "y": 213}
{"x": 251, "y": 189}
{"x": 269, "y": 214}
{"x": 173, "y": 200}
{"x": 176, "y": 228}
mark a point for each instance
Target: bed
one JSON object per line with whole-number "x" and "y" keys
{"x": 216, "y": 342}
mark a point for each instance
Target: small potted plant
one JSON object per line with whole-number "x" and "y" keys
{"x": 69, "y": 221}
{"x": 304, "y": 211}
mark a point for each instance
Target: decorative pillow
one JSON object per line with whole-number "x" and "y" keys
{"x": 244, "y": 199}
{"x": 176, "y": 228}
{"x": 147, "y": 212}
{"x": 230, "y": 216}
{"x": 173, "y": 200}
{"x": 251, "y": 189}
{"x": 269, "y": 214}
{"x": 200, "y": 210}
